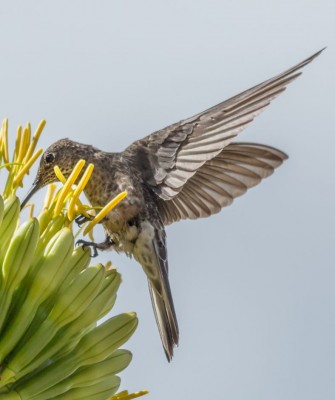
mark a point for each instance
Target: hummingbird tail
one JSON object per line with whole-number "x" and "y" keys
{"x": 166, "y": 321}
{"x": 151, "y": 252}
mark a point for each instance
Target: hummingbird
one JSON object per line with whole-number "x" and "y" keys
{"x": 188, "y": 170}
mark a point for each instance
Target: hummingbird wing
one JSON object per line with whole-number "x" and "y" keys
{"x": 151, "y": 252}
{"x": 170, "y": 157}
{"x": 216, "y": 183}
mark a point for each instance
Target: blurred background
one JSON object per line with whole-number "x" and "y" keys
{"x": 254, "y": 285}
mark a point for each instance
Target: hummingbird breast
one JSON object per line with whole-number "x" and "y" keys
{"x": 110, "y": 177}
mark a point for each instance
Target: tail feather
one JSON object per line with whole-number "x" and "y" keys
{"x": 150, "y": 251}
{"x": 166, "y": 321}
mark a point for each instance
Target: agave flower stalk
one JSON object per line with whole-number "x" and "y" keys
{"x": 50, "y": 297}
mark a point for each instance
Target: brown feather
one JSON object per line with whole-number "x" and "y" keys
{"x": 237, "y": 168}
{"x": 175, "y": 153}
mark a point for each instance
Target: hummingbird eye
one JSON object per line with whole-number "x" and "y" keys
{"x": 49, "y": 158}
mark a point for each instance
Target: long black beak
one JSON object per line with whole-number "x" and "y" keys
{"x": 31, "y": 192}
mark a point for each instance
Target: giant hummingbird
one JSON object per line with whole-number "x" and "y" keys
{"x": 188, "y": 170}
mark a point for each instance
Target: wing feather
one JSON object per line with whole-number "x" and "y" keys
{"x": 237, "y": 168}
{"x": 172, "y": 155}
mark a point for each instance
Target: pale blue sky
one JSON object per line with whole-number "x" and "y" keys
{"x": 254, "y": 285}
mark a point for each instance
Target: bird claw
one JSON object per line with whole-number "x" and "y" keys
{"x": 81, "y": 219}
{"x": 93, "y": 246}
{"x": 96, "y": 246}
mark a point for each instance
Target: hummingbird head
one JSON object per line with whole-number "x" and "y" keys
{"x": 65, "y": 153}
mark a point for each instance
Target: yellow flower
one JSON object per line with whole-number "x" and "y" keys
{"x": 75, "y": 205}
{"x": 126, "y": 396}
{"x": 24, "y": 154}
{"x": 50, "y": 298}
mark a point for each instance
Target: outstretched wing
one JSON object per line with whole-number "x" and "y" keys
{"x": 150, "y": 251}
{"x": 215, "y": 184}
{"x": 171, "y": 156}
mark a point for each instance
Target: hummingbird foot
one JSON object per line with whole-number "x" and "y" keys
{"x": 96, "y": 246}
{"x": 82, "y": 219}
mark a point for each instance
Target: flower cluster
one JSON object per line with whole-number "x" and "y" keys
{"x": 50, "y": 298}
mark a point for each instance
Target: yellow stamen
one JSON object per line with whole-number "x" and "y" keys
{"x": 0, "y": 145}
{"x": 79, "y": 189}
{"x": 105, "y": 211}
{"x": 77, "y": 207}
{"x": 22, "y": 149}
{"x": 31, "y": 212}
{"x": 5, "y": 142}
{"x": 39, "y": 130}
{"x": 26, "y": 168}
{"x": 66, "y": 195}
{"x": 34, "y": 141}
{"x": 25, "y": 140}
{"x": 126, "y": 396}
{"x": 9, "y": 165}
{"x": 59, "y": 174}
{"x": 81, "y": 208}
{"x": 67, "y": 186}
{"x": 108, "y": 265}
{"x": 90, "y": 235}
{"x": 29, "y": 132}
{"x": 50, "y": 196}
{"x": 17, "y": 142}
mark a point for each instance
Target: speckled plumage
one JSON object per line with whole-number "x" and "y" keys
{"x": 188, "y": 170}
